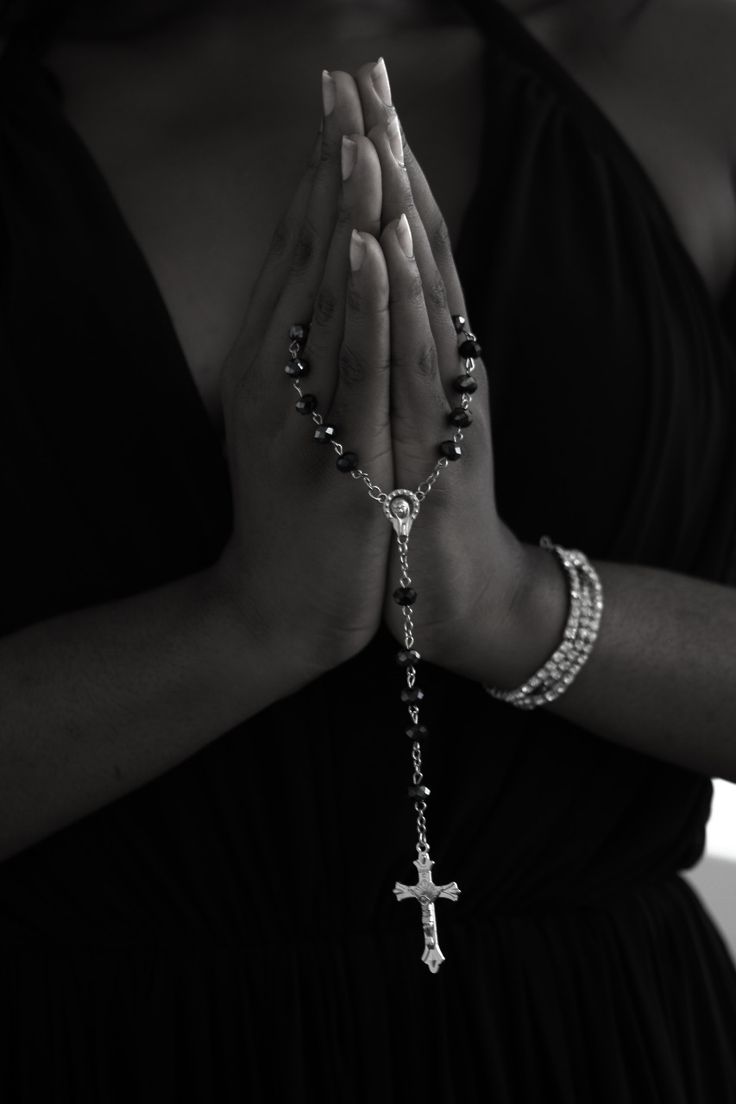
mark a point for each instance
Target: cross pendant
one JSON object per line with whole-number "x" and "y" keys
{"x": 426, "y": 892}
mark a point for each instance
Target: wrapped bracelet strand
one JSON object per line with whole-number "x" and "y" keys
{"x": 401, "y": 508}
{"x": 581, "y": 632}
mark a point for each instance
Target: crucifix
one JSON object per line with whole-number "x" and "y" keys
{"x": 426, "y": 892}
{"x": 401, "y": 508}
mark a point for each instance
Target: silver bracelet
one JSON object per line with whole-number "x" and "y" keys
{"x": 581, "y": 632}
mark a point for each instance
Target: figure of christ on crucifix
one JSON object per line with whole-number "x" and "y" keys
{"x": 426, "y": 892}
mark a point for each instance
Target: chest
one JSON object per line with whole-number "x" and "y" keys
{"x": 202, "y": 158}
{"x": 202, "y": 179}
{"x": 665, "y": 81}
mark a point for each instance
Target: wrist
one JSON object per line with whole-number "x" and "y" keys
{"x": 512, "y": 634}
{"x": 247, "y": 640}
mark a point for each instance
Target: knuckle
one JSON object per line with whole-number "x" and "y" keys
{"x": 304, "y": 250}
{"x": 328, "y": 150}
{"x": 243, "y": 387}
{"x": 412, "y": 292}
{"x": 437, "y": 293}
{"x": 355, "y": 299}
{"x": 423, "y": 361}
{"x": 409, "y": 206}
{"x": 325, "y": 307}
{"x": 280, "y": 239}
{"x": 351, "y": 366}
{"x": 439, "y": 236}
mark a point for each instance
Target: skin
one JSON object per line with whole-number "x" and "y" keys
{"x": 662, "y": 677}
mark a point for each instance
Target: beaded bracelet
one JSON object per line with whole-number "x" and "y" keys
{"x": 401, "y": 508}
{"x": 581, "y": 632}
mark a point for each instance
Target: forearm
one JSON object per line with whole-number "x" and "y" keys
{"x": 95, "y": 703}
{"x": 662, "y": 675}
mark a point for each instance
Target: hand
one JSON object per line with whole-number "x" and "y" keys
{"x": 463, "y": 559}
{"x": 308, "y": 555}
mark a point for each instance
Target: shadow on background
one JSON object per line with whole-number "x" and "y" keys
{"x": 715, "y": 880}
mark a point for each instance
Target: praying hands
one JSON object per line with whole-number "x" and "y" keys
{"x": 489, "y": 607}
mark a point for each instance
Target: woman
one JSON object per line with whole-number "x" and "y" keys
{"x": 204, "y": 758}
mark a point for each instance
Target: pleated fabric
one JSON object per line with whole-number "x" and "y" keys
{"x": 227, "y": 932}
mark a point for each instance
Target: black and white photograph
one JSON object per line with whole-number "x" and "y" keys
{"x": 368, "y": 551}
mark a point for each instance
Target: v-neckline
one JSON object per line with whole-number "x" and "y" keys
{"x": 495, "y": 18}
{"x": 30, "y": 55}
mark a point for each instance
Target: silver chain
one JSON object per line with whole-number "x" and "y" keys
{"x": 402, "y": 540}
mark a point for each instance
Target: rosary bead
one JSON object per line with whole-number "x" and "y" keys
{"x": 411, "y": 695}
{"x": 306, "y": 404}
{"x": 470, "y": 348}
{"x": 296, "y": 368}
{"x": 347, "y": 462}
{"x": 451, "y": 450}
{"x": 405, "y": 596}
{"x": 460, "y": 417}
{"x": 407, "y": 659}
{"x": 419, "y": 792}
{"x": 324, "y": 433}
{"x": 459, "y": 322}
{"x": 298, "y": 332}
{"x": 417, "y": 732}
{"x": 465, "y": 385}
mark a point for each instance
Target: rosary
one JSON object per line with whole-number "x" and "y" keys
{"x": 401, "y": 508}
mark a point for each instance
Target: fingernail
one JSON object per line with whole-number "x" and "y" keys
{"x": 379, "y": 76}
{"x": 329, "y": 93}
{"x": 403, "y": 233}
{"x": 357, "y": 251}
{"x": 349, "y": 155}
{"x": 394, "y": 139}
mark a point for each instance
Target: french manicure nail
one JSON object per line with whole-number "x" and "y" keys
{"x": 403, "y": 233}
{"x": 349, "y": 155}
{"x": 357, "y": 251}
{"x": 379, "y": 76}
{"x": 329, "y": 93}
{"x": 394, "y": 138}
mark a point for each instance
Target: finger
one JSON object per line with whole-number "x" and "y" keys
{"x": 272, "y": 273}
{"x": 293, "y": 274}
{"x": 419, "y": 408}
{"x": 375, "y": 93}
{"x": 374, "y": 87}
{"x": 315, "y": 234}
{"x": 352, "y": 418}
{"x": 398, "y": 199}
{"x": 360, "y": 208}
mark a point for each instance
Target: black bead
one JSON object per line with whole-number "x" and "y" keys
{"x": 417, "y": 732}
{"x": 465, "y": 385}
{"x": 296, "y": 368}
{"x": 324, "y": 433}
{"x": 470, "y": 348}
{"x": 460, "y": 417}
{"x": 411, "y": 695}
{"x": 298, "y": 332}
{"x": 451, "y": 450}
{"x": 408, "y": 659}
{"x": 306, "y": 404}
{"x": 419, "y": 792}
{"x": 459, "y": 322}
{"x": 405, "y": 596}
{"x": 347, "y": 462}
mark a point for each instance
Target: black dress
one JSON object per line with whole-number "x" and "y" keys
{"x": 210, "y": 937}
